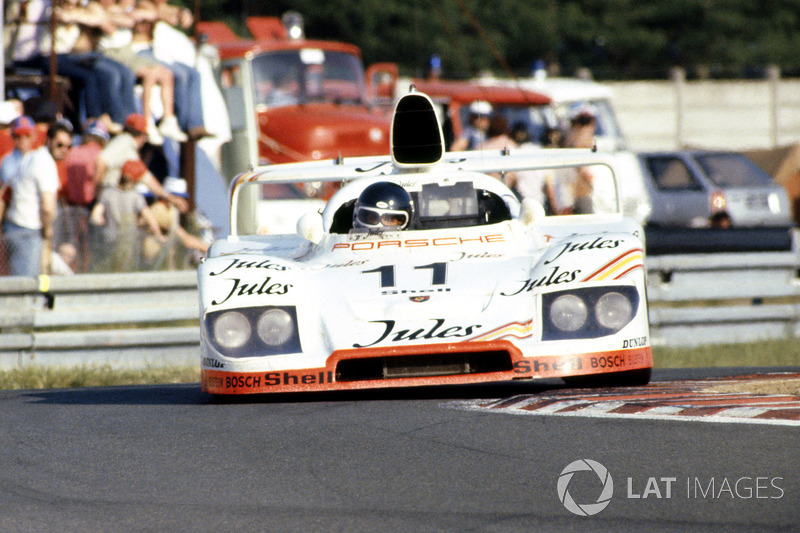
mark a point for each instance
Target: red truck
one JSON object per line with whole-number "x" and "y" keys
{"x": 453, "y": 97}
{"x": 292, "y": 98}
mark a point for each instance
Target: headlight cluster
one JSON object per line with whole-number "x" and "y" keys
{"x": 254, "y": 331}
{"x": 588, "y": 313}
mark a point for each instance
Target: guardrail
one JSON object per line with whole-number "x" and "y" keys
{"x": 152, "y": 319}
{"x": 730, "y": 298}
{"x": 123, "y": 320}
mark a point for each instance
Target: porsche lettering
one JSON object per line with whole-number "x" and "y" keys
{"x": 365, "y": 245}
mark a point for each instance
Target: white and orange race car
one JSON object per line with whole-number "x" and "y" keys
{"x": 425, "y": 269}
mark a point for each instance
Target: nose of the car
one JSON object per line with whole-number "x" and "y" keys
{"x": 443, "y": 288}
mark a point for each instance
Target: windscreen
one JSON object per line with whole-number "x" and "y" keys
{"x": 292, "y": 77}
{"x": 732, "y": 170}
{"x": 453, "y": 201}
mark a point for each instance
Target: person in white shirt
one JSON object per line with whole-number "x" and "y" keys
{"x": 31, "y": 176}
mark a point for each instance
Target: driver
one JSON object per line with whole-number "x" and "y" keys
{"x": 383, "y": 206}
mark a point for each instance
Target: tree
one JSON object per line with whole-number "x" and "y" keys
{"x": 613, "y": 38}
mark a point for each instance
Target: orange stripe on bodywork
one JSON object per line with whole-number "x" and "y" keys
{"x": 519, "y": 330}
{"x": 615, "y": 264}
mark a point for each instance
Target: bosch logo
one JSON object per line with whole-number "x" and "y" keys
{"x": 585, "y": 509}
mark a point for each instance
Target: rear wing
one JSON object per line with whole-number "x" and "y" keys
{"x": 486, "y": 162}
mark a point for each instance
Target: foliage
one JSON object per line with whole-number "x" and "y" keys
{"x": 613, "y": 38}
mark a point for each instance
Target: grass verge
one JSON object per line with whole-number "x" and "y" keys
{"x": 34, "y": 377}
{"x": 766, "y": 353}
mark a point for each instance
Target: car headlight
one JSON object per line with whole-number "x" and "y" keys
{"x": 254, "y": 331}
{"x": 275, "y": 327}
{"x": 231, "y": 330}
{"x": 568, "y": 312}
{"x": 588, "y": 313}
{"x": 613, "y": 311}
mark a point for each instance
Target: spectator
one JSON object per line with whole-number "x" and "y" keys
{"x": 116, "y": 217}
{"x": 497, "y": 135}
{"x": 519, "y": 134}
{"x": 188, "y": 90}
{"x": 552, "y": 137}
{"x": 582, "y": 127}
{"x": 58, "y": 141}
{"x": 116, "y": 44}
{"x": 63, "y": 260}
{"x": 583, "y": 123}
{"x": 171, "y": 45}
{"x": 9, "y": 110}
{"x": 497, "y": 138}
{"x": 475, "y": 133}
{"x": 79, "y": 193}
{"x": 107, "y": 86}
{"x": 124, "y": 147}
{"x": 159, "y": 255}
{"x": 32, "y": 178}
{"x": 44, "y": 113}
{"x": 538, "y": 185}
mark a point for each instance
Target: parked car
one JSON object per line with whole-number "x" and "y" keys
{"x": 700, "y": 188}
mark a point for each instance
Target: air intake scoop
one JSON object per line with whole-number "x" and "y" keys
{"x": 417, "y": 138}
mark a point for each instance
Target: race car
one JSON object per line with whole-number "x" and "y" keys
{"x": 424, "y": 268}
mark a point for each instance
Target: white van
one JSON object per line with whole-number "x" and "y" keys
{"x": 567, "y": 94}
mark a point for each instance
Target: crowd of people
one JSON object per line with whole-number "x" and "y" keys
{"x": 559, "y": 193}
{"x": 106, "y": 47}
{"x": 78, "y": 203}
{"x": 135, "y": 80}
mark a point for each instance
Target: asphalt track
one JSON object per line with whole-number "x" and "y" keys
{"x": 161, "y": 458}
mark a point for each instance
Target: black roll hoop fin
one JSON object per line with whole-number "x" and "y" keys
{"x": 417, "y": 138}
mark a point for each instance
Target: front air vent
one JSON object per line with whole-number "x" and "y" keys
{"x": 423, "y": 365}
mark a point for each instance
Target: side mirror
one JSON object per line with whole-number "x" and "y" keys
{"x": 309, "y": 227}
{"x": 532, "y": 212}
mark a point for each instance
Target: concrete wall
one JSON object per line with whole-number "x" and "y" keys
{"x": 737, "y": 115}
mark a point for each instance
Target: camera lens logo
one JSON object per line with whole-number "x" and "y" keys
{"x": 585, "y": 509}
